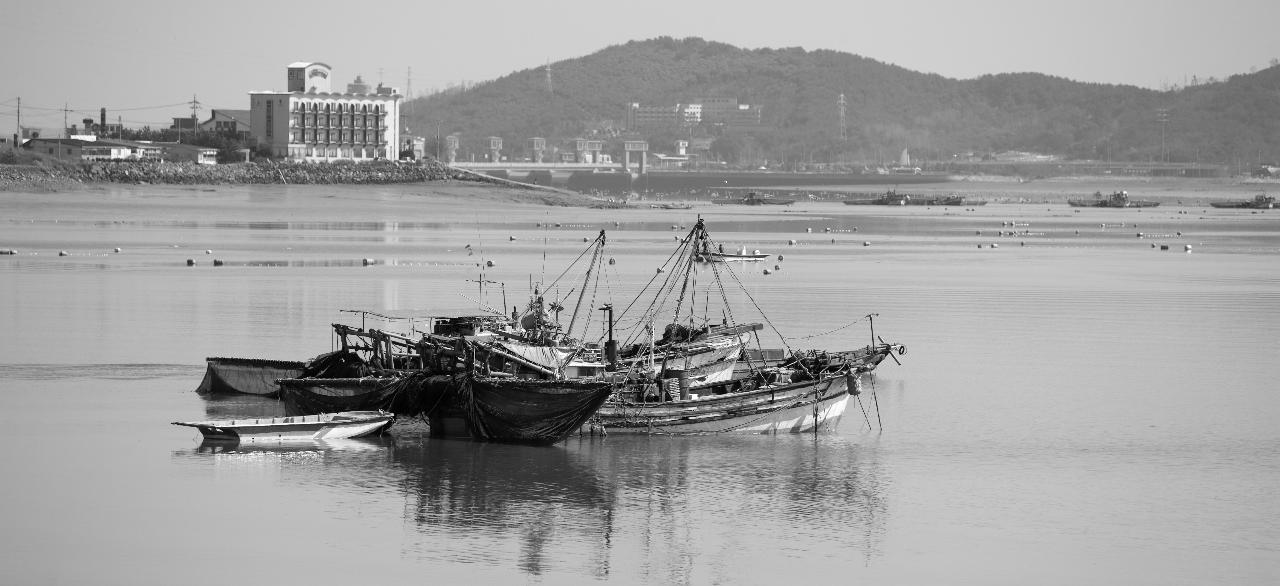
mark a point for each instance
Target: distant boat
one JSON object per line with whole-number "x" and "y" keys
{"x": 249, "y": 376}
{"x": 893, "y": 198}
{"x": 740, "y": 255}
{"x": 347, "y": 424}
{"x": 671, "y": 206}
{"x": 755, "y": 199}
{"x": 1259, "y": 202}
{"x": 1119, "y": 199}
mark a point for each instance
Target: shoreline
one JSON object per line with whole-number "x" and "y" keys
{"x": 47, "y": 178}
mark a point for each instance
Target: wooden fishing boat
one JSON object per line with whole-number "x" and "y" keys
{"x": 1259, "y": 202}
{"x": 766, "y": 392}
{"x": 250, "y": 376}
{"x": 348, "y": 424}
{"x": 779, "y": 405}
{"x": 1119, "y": 199}
{"x": 754, "y": 199}
{"x": 893, "y": 198}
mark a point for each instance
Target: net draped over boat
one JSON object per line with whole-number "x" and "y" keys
{"x": 533, "y": 410}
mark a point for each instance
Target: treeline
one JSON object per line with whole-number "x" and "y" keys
{"x": 888, "y": 108}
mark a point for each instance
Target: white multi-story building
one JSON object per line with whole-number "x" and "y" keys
{"x": 308, "y": 122}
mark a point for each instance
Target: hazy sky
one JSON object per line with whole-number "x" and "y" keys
{"x": 143, "y": 60}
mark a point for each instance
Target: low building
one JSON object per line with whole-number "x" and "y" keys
{"x": 228, "y": 122}
{"x": 79, "y": 149}
{"x": 308, "y": 122}
{"x": 189, "y": 153}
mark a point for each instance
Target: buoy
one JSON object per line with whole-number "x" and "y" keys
{"x": 659, "y": 270}
{"x": 367, "y": 261}
{"x": 584, "y": 239}
{"x": 791, "y": 242}
{"x": 117, "y": 249}
{"x": 994, "y": 245}
{"x": 826, "y": 229}
{"x": 611, "y": 261}
{"x": 217, "y": 263}
{"x": 557, "y": 224}
{"x": 979, "y": 232}
{"x": 511, "y": 238}
{"x": 756, "y": 251}
{"x": 1187, "y": 248}
{"x": 808, "y": 229}
{"x": 979, "y": 246}
{"x": 777, "y": 267}
{"x": 1164, "y": 247}
{"x": 1023, "y": 243}
{"x": 1153, "y": 245}
{"x": 63, "y": 253}
{"x": 779, "y": 257}
{"x": 1077, "y": 232}
{"x": 207, "y": 251}
{"x": 768, "y": 272}
{"x": 866, "y": 243}
{"x": 488, "y": 263}
{"x": 1139, "y": 234}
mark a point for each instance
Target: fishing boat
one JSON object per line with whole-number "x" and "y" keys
{"x": 719, "y": 255}
{"x": 250, "y": 376}
{"x": 1119, "y": 199}
{"x": 322, "y": 426}
{"x": 517, "y": 379}
{"x": 893, "y": 198}
{"x": 761, "y": 391}
{"x": 671, "y": 206}
{"x": 1259, "y": 202}
{"x": 754, "y": 199}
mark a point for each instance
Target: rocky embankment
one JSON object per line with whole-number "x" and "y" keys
{"x": 57, "y": 177}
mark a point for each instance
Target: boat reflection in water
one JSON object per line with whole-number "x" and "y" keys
{"x": 642, "y": 509}
{"x": 641, "y": 506}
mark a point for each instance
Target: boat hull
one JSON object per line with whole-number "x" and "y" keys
{"x": 808, "y": 406}
{"x": 514, "y": 410}
{"x": 1243, "y": 205}
{"x": 496, "y": 409}
{"x": 247, "y": 376}
{"x": 326, "y": 426}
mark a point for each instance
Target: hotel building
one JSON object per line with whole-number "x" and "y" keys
{"x": 309, "y": 122}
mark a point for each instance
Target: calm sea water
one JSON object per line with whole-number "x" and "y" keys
{"x": 1073, "y": 408}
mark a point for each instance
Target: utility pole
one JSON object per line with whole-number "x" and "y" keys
{"x": 18, "y": 133}
{"x": 549, "y": 87}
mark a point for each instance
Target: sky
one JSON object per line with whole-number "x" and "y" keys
{"x": 147, "y": 60}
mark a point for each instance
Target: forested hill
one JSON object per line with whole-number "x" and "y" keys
{"x": 1234, "y": 121}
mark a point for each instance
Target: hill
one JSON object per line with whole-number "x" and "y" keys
{"x": 888, "y": 108}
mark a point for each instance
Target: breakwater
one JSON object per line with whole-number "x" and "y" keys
{"x": 42, "y": 177}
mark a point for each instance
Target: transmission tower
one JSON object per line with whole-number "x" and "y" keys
{"x": 844, "y": 124}
{"x": 1162, "y": 116}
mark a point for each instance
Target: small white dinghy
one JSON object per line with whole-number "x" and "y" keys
{"x": 347, "y": 424}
